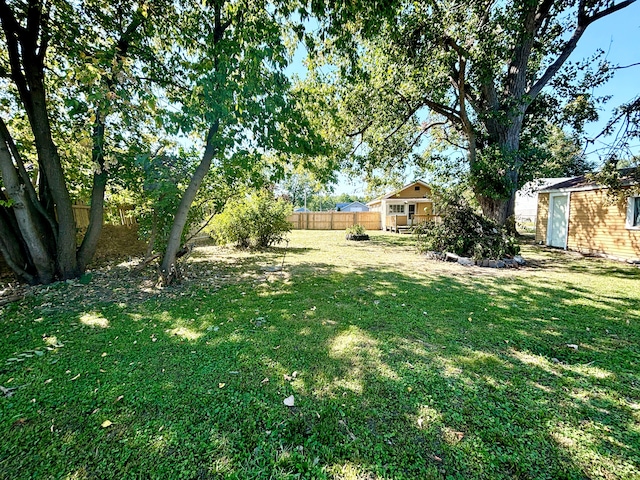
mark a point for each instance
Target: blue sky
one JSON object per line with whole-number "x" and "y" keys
{"x": 618, "y": 35}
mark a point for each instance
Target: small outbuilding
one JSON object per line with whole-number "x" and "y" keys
{"x": 402, "y": 209}
{"x": 352, "y": 207}
{"x": 526, "y": 207}
{"x": 577, "y": 214}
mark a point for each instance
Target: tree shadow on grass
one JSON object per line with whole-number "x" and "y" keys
{"x": 580, "y": 263}
{"x": 397, "y": 376}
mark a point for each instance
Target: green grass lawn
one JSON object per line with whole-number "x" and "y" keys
{"x": 400, "y": 367}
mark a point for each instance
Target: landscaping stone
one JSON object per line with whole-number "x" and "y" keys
{"x": 357, "y": 237}
{"x": 450, "y": 257}
{"x": 482, "y": 262}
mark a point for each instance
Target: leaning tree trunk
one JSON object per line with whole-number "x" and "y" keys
{"x": 27, "y": 220}
{"x": 96, "y": 213}
{"x": 168, "y": 268}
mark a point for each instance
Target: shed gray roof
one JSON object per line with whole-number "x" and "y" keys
{"x": 628, "y": 176}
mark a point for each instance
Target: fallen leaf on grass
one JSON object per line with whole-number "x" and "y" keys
{"x": 221, "y": 385}
{"x": 76, "y": 377}
{"x": 289, "y": 401}
{"x": 572, "y": 345}
{"x": 106, "y": 423}
{"x": 265, "y": 380}
{"x": 119, "y": 398}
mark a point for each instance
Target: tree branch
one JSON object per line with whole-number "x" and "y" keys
{"x": 403, "y": 122}
{"x": 424, "y": 130}
{"x": 448, "y": 112}
{"x": 362, "y": 131}
{"x": 625, "y": 66}
{"x": 584, "y": 21}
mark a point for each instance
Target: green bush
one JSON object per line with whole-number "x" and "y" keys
{"x": 356, "y": 229}
{"x": 259, "y": 221}
{"x": 463, "y": 232}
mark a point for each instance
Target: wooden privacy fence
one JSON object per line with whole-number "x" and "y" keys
{"x": 121, "y": 215}
{"x": 334, "y": 220}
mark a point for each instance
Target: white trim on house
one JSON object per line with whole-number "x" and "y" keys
{"x": 632, "y": 213}
{"x": 566, "y": 215}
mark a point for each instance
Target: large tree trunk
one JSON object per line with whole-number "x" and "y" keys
{"x": 168, "y": 268}
{"x": 27, "y": 219}
{"x": 96, "y": 214}
{"x": 504, "y": 138}
{"x": 49, "y": 161}
{"x": 26, "y": 48}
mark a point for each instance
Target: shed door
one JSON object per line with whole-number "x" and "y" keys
{"x": 558, "y": 220}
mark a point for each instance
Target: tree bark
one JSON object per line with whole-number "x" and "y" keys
{"x": 168, "y": 270}
{"x": 49, "y": 161}
{"x": 96, "y": 213}
{"x": 11, "y": 251}
{"x": 26, "y": 217}
{"x": 27, "y": 47}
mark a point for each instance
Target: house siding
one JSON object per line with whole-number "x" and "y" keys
{"x": 542, "y": 217}
{"x": 411, "y": 192}
{"x": 596, "y": 226}
{"x": 424, "y": 208}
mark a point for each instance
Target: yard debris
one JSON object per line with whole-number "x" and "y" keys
{"x": 8, "y": 392}
{"x": 106, "y": 423}
{"x": 289, "y": 401}
{"x": 344, "y": 424}
{"x": 10, "y": 299}
{"x": 265, "y": 380}
{"x": 572, "y": 345}
{"x": 516, "y": 261}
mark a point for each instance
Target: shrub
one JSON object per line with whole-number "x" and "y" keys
{"x": 356, "y": 229}
{"x": 463, "y": 232}
{"x": 258, "y": 221}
